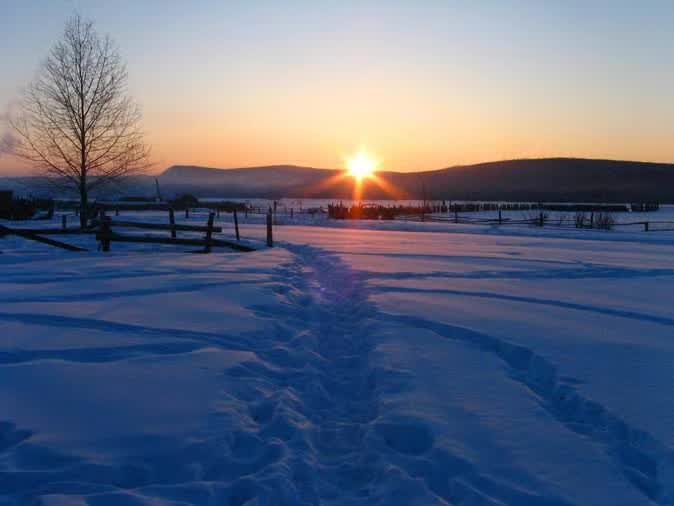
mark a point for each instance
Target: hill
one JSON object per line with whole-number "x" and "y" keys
{"x": 270, "y": 181}
{"x": 546, "y": 179}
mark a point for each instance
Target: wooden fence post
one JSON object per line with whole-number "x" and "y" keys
{"x": 172, "y": 222}
{"x": 64, "y": 219}
{"x": 500, "y": 219}
{"x": 645, "y": 226}
{"x": 270, "y": 238}
{"x": 106, "y": 231}
{"x": 541, "y": 219}
{"x": 456, "y": 214}
{"x": 209, "y": 232}
{"x": 236, "y": 225}
{"x": 187, "y": 212}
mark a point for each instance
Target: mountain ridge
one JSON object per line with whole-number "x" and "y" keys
{"x": 425, "y": 171}
{"x": 533, "y": 179}
{"x": 559, "y": 179}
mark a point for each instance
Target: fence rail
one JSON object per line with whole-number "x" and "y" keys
{"x": 543, "y": 221}
{"x": 33, "y": 236}
{"x": 106, "y": 236}
{"x": 162, "y": 226}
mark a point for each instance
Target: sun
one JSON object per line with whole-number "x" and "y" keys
{"x": 361, "y": 166}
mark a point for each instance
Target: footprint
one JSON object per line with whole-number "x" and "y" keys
{"x": 11, "y": 436}
{"x": 262, "y": 412}
{"x": 407, "y": 437}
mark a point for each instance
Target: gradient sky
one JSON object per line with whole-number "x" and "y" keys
{"x": 421, "y": 85}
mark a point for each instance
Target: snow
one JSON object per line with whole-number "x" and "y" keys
{"x": 354, "y": 363}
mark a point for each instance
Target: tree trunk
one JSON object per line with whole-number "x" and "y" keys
{"x": 84, "y": 207}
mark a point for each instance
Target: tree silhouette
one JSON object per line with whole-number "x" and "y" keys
{"x": 76, "y": 123}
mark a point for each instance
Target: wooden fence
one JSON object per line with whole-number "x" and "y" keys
{"x": 543, "y": 220}
{"x": 105, "y": 230}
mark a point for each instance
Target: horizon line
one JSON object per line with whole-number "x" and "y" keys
{"x": 390, "y": 171}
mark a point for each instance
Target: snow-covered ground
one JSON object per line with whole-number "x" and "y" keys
{"x": 355, "y": 363}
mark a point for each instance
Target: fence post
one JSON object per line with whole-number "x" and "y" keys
{"x": 172, "y": 222}
{"x": 105, "y": 231}
{"x": 270, "y": 238}
{"x": 592, "y": 219}
{"x": 645, "y": 226}
{"x": 456, "y": 214}
{"x": 291, "y": 213}
{"x": 540, "y": 219}
{"x": 64, "y": 219}
{"x": 187, "y": 212}
{"x": 500, "y": 220}
{"x": 236, "y": 224}
{"x": 209, "y": 232}
{"x": 116, "y": 211}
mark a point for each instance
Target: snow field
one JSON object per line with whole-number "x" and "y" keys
{"x": 346, "y": 366}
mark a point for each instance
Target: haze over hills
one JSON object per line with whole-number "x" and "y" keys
{"x": 269, "y": 181}
{"x": 546, "y": 179}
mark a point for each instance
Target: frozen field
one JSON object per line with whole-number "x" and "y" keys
{"x": 354, "y": 364}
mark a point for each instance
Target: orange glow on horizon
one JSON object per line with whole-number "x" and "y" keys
{"x": 361, "y": 172}
{"x": 361, "y": 166}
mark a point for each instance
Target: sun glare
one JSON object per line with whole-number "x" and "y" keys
{"x": 361, "y": 166}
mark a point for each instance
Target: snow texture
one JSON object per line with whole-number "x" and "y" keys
{"x": 349, "y": 365}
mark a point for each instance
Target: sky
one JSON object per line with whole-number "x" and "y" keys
{"x": 418, "y": 84}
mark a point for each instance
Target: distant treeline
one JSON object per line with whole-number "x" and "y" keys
{"x": 148, "y": 204}
{"x": 383, "y": 212}
{"x": 13, "y": 208}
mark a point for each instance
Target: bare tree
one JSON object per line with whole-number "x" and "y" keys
{"x": 76, "y": 123}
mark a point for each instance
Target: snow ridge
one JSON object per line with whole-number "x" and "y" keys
{"x": 646, "y": 462}
{"x": 663, "y": 320}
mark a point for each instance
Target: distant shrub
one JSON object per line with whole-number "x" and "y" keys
{"x": 185, "y": 201}
{"x": 604, "y": 221}
{"x": 579, "y": 219}
{"x": 562, "y": 219}
{"x": 538, "y": 218}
